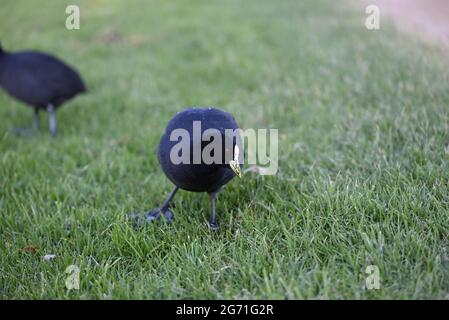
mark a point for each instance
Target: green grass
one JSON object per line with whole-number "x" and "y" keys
{"x": 364, "y": 172}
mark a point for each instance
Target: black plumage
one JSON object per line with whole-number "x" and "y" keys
{"x": 204, "y": 176}
{"x": 39, "y": 80}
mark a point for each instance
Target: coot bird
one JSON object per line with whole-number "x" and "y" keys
{"x": 40, "y": 80}
{"x": 185, "y": 154}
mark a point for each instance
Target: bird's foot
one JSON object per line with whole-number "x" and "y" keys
{"x": 155, "y": 214}
{"x": 168, "y": 214}
{"x": 213, "y": 225}
{"x": 151, "y": 216}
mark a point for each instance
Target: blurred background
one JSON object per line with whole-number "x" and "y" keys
{"x": 429, "y": 18}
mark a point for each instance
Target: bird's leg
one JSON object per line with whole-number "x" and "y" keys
{"x": 36, "y": 120}
{"x": 170, "y": 197}
{"x": 164, "y": 208}
{"x": 52, "y": 120}
{"x": 213, "y": 222}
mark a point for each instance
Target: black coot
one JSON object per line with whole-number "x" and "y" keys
{"x": 39, "y": 80}
{"x": 196, "y": 173}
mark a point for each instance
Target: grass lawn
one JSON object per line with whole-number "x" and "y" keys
{"x": 363, "y": 122}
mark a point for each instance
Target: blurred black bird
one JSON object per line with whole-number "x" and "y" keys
{"x": 40, "y": 80}
{"x": 196, "y": 173}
